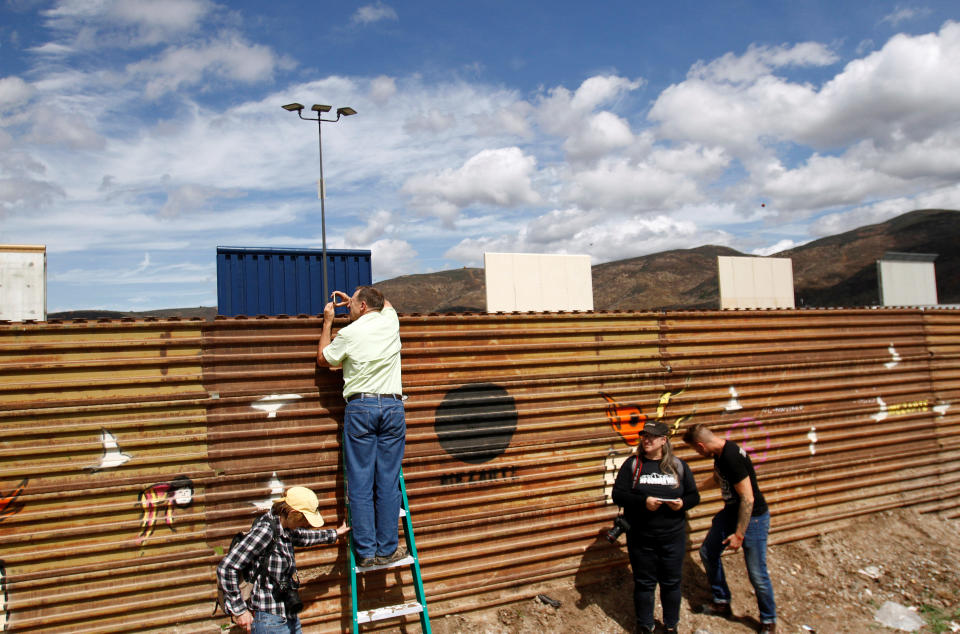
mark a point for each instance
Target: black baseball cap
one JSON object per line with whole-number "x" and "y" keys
{"x": 656, "y": 428}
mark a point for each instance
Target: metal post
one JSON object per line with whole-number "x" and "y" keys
{"x": 323, "y": 212}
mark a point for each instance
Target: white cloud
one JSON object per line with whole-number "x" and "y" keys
{"x": 382, "y": 88}
{"x": 430, "y": 122}
{"x": 826, "y": 181}
{"x": 590, "y": 234}
{"x": 621, "y": 186}
{"x": 179, "y": 273}
{"x": 511, "y": 120}
{"x": 499, "y": 177}
{"x": 603, "y": 133}
{"x": 378, "y": 223}
{"x": 759, "y": 61}
{"x": 193, "y": 198}
{"x": 561, "y": 111}
{"x": 907, "y": 89}
{"x": 228, "y": 58}
{"x": 14, "y": 92}
{"x": 942, "y": 198}
{"x": 904, "y": 14}
{"x": 87, "y": 25}
{"x": 157, "y": 22}
{"x": 370, "y": 13}
{"x": 51, "y": 125}
{"x": 782, "y": 245}
{"x": 26, "y": 194}
{"x": 391, "y": 258}
{"x": 144, "y": 264}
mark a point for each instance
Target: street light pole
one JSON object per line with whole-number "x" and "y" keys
{"x": 320, "y": 109}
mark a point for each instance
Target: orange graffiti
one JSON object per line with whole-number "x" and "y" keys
{"x": 626, "y": 420}
{"x": 8, "y": 503}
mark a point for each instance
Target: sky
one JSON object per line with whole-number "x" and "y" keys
{"x": 136, "y": 136}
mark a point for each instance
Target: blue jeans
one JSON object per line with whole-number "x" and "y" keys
{"x": 374, "y": 432}
{"x": 267, "y": 623}
{"x": 754, "y": 553}
{"x": 653, "y": 560}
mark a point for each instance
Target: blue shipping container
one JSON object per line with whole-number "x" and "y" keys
{"x": 252, "y": 281}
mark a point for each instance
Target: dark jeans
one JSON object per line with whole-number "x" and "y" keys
{"x": 754, "y": 553}
{"x": 656, "y": 560}
{"x": 267, "y": 623}
{"x": 374, "y": 432}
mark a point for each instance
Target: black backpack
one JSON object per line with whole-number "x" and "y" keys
{"x": 252, "y": 572}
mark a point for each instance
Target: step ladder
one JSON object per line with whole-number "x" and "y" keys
{"x": 393, "y": 611}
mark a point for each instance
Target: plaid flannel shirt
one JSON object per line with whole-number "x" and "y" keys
{"x": 280, "y": 561}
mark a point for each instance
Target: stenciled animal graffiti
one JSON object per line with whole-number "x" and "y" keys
{"x": 162, "y": 498}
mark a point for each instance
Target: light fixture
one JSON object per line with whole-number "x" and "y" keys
{"x": 320, "y": 109}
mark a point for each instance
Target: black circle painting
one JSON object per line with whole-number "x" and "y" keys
{"x": 475, "y": 423}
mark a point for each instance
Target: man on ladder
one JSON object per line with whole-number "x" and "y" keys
{"x": 374, "y": 425}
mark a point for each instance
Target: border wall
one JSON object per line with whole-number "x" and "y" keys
{"x": 132, "y": 451}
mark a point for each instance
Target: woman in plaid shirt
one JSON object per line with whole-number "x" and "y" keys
{"x": 288, "y": 524}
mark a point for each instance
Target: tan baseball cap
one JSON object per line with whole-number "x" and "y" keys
{"x": 304, "y": 500}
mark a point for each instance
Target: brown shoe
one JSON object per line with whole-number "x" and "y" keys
{"x": 717, "y": 609}
{"x": 768, "y": 628}
{"x": 397, "y": 555}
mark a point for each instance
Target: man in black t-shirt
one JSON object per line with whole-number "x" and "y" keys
{"x": 743, "y": 521}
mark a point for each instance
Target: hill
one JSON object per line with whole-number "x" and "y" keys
{"x": 839, "y": 270}
{"x": 203, "y": 312}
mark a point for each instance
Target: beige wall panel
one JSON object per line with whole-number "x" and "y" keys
{"x": 537, "y": 282}
{"x": 747, "y": 282}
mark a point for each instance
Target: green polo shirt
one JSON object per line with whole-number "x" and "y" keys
{"x": 369, "y": 351}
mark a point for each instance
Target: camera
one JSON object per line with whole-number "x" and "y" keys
{"x": 286, "y": 592}
{"x": 620, "y": 526}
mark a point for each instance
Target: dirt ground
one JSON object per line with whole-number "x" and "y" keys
{"x": 833, "y": 583}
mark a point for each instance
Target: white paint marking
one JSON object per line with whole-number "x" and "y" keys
{"x": 882, "y": 414}
{"x": 611, "y": 467}
{"x": 941, "y": 408}
{"x": 272, "y": 403}
{"x": 112, "y": 456}
{"x": 812, "y": 437}
{"x": 894, "y": 358}
{"x": 276, "y": 490}
{"x": 733, "y": 404}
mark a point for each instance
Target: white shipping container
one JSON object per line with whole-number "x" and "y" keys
{"x": 23, "y": 282}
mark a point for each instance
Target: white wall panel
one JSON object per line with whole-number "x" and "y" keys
{"x": 907, "y": 283}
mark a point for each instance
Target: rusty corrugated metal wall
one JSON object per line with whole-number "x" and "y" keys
{"x": 133, "y": 450}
